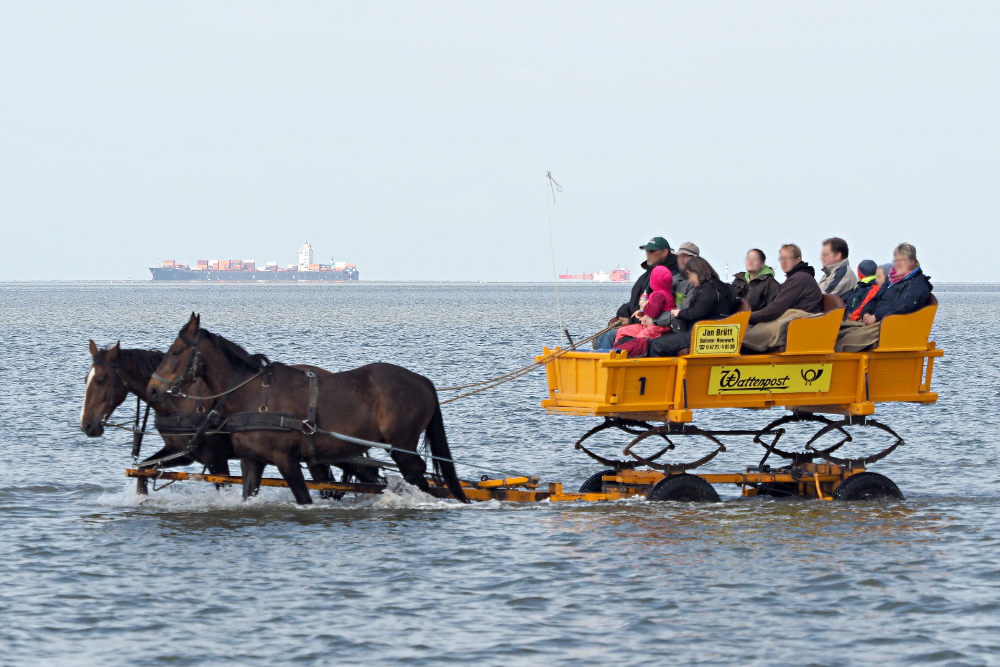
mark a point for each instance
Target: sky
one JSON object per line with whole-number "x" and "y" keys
{"x": 412, "y": 139}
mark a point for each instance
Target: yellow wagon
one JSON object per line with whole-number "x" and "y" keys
{"x": 836, "y": 390}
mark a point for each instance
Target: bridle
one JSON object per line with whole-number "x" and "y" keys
{"x": 194, "y": 364}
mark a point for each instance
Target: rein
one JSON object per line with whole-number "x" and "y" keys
{"x": 174, "y": 386}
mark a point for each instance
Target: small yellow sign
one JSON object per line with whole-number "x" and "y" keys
{"x": 776, "y": 379}
{"x": 715, "y": 339}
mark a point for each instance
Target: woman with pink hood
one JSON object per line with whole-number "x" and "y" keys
{"x": 634, "y": 338}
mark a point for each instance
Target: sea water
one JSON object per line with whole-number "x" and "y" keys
{"x": 92, "y": 574}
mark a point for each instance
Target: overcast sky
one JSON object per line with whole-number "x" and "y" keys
{"x": 412, "y": 139}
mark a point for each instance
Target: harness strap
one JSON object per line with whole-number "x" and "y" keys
{"x": 311, "y": 418}
{"x": 138, "y": 433}
{"x": 265, "y": 382}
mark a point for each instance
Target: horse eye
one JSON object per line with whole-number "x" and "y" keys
{"x": 99, "y": 380}
{"x": 177, "y": 353}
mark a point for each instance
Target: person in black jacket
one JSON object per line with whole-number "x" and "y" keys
{"x": 658, "y": 253}
{"x": 712, "y": 300}
{"x": 798, "y": 292}
{"x": 907, "y": 291}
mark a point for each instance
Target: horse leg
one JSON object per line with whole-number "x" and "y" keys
{"x": 365, "y": 474}
{"x": 217, "y": 465}
{"x": 321, "y": 472}
{"x": 252, "y": 472}
{"x": 292, "y": 472}
{"x": 411, "y": 465}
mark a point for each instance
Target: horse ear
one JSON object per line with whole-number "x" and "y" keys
{"x": 113, "y": 352}
{"x": 93, "y": 349}
{"x": 191, "y": 328}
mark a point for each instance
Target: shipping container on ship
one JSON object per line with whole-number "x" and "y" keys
{"x": 246, "y": 270}
{"x": 617, "y": 275}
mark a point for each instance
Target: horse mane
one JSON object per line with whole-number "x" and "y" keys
{"x": 237, "y": 356}
{"x": 145, "y": 362}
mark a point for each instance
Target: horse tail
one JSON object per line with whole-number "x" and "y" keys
{"x": 438, "y": 441}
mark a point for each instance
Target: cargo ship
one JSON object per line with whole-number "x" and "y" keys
{"x": 617, "y": 275}
{"x": 246, "y": 270}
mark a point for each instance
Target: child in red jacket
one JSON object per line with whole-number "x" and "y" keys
{"x": 659, "y": 301}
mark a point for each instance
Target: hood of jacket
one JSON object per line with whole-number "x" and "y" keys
{"x": 801, "y": 267}
{"x": 763, "y": 273}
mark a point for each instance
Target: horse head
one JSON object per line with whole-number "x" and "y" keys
{"x": 182, "y": 365}
{"x": 105, "y": 389}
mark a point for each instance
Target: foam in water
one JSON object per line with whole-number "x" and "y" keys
{"x": 199, "y": 496}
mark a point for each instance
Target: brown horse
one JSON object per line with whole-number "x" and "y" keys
{"x": 115, "y": 373}
{"x": 379, "y": 402}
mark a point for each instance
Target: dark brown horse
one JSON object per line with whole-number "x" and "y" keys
{"x": 379, "y": 402}
{"x": 114, "y": 374}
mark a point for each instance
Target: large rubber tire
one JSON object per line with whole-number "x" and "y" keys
{"x": 684, "y": 488}
{"x": 867, "y": 486}
{"x": 594, "y": 483}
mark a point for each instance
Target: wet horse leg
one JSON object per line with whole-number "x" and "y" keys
{"x": 411, "y": 465}
{"x": 217, "y": 464}
{"x": 292, "y": 472}
{"x": 321, "y": 472}
{"x": 252, "y": 472}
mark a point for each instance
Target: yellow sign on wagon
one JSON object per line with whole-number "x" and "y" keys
{"x": 777, "y": 379}
{"x": 715, "y": 339}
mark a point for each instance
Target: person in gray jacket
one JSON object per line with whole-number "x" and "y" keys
{"x": 837, "y": 278}
{"x": 683, "y": 288}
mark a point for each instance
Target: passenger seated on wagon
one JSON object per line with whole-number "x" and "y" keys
{"x": 682, "y": 288}
{"x": 634, "y": 338}
{"x": 658, "y": 253}
{"x": 712, "y": 299}
{"x": 863, "y": 292}
{"x": 800, "y": 296}
{"x": 758, "y": 286}
{"x": 837, "y": 275}
{"x": 907, "y": 290}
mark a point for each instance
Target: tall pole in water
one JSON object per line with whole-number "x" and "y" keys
{"x": 554, "y": 187}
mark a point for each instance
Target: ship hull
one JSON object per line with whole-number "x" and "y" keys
{"x": 186, "y": 275}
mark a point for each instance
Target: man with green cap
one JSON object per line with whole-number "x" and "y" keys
{"x": 658, "y": 253}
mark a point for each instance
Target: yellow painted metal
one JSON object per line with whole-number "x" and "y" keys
{"x": 179, "y": 475}
{"x": 769, "y": 378}
{"x": 812, "y": 480}
{"x": 669, "y": 388}
{"x": 813, "y": 335}
{"x": 718, "y": 338}
{"x": 907, "y": 332}
{"x": 506, "y": 481}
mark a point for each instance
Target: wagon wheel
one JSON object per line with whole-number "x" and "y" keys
{"x": 864, "y": 461}
{"x": 800, "y": 457}
{"x": 630, "y": 426}
{"x": 673, "y": 468}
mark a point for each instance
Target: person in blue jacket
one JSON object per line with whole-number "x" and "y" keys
{"x": 907, "y": 291}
